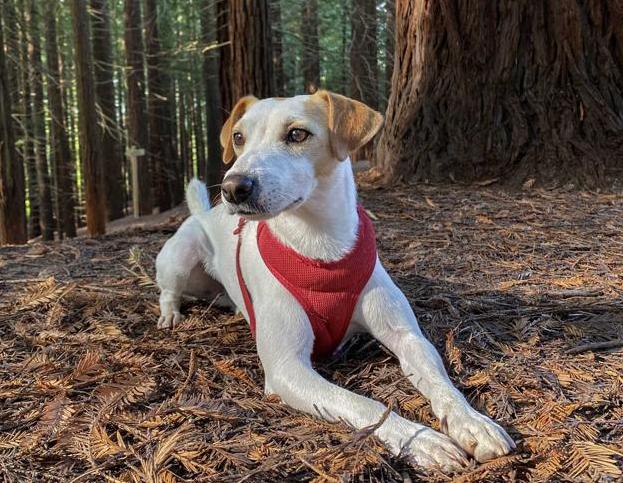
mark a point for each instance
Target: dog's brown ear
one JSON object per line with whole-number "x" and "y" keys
{"x": 351, "y": 123}
{"x": 226, "y": 133}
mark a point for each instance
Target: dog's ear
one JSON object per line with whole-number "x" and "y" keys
{"x": 226, "y": 133}
{"x": 351, "y": 123}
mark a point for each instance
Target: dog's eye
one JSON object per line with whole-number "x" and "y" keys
{"x": 297, "y": 135}
{"x": 238, "y": 139}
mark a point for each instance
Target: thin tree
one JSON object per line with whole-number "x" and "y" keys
{"x": 90, "y": 148}
{"x": 46, "y": 209}
{"x": 59, "y": 149}
{"x": 225, "y": 71}
{"x": 160, "y": 148}
{"x": 137, "y": 119}
{"x": 506, "y": 90}
{"x": 214, "y": 166}
{"x": 311, "y": 47}
{"x": 390, "y": 22}
{"x": 281, "y": 80}
{"x": 12, "y": 199}
{"x": 363, "y": 58}
{"x": 103, "y": 59}
{"x": 27, "y": 142}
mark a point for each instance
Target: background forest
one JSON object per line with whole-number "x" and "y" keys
{"x": 94, "y": 86}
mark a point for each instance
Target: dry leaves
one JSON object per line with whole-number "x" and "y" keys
{"x": 505, "y": 286}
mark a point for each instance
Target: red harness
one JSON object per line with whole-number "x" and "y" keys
{"x": 327, "y": 291}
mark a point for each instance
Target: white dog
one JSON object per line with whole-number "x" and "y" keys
{"x": 292, "y": 186}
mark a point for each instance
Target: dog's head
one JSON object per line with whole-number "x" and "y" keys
{"x": 282, "y": 147}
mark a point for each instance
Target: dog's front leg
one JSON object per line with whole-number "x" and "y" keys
{"x": 284, "y": 342}
{"x": 386, "y": 313}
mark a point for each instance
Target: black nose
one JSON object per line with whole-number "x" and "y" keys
{"x": 237, "y": 188}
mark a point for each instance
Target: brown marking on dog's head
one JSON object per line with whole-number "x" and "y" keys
{"x": 226, "y": 132}
{"x": 351, "y": 123}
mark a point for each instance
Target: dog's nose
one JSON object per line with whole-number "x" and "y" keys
{"x": 237, "y": 188}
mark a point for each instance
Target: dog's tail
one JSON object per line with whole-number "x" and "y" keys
{"x": 197, "y": 197}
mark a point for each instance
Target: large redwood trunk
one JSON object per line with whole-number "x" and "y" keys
{"x": 250, "y": 58}
{"x": 90, "y": 148}
{"x": 12, "y": 207}
{"x": 507, "y": 90}
{"x": 104, "y": 77}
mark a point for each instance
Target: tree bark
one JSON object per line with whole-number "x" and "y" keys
{"x": 59, "y": 148}
{"x": 103, "y": 60}
{"x": 12, "y": 197}
{"x": 225, "y": 59}
{"x": 46, "y": 209}
{"x": 197, "y": 120}
{"x": 137, "y": 119}
{"x": 90, "y": 148}
{"x": 507, "y": 90}
{"x": 183, "y": 137}
{"x": 177, "y": 176}
{"x": 251, "y": 59}
{"x": 28, "y": 149}
{"x": 281, "y": 80}
{"x": 390, "y": 45}
{"x": 160, "y": 148}
{"x": 214, "y": 168}
{"x": 363, "y": 59}
{"x": 311, "y": 47}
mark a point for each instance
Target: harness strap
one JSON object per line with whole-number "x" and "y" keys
{"x": 246, "y": 296}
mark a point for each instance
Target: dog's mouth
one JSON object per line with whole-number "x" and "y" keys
{"x": 260, "y": 213}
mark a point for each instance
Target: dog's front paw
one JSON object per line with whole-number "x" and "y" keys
{"x": 169, "y": 319}
{"x": 425, "y": 447}
{"x": 478, "y": 435}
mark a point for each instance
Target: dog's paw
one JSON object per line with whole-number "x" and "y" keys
{"x": 425, "y": 447}
{"x": 170, "y": 319}
{"x": 478, "y": 435}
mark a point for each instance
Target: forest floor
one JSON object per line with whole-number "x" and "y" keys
{"x": 522, "y": 293}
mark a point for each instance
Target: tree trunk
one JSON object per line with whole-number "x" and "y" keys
{"x": 281, "y": 81}
{"x": 183, "y": 138}
{"x": 12, "y": 198}
{"x": 28, "y": 149}
{"x": 345, "y": 43}
{"x": 509, "y": 90}
{"x": 225, "y": 71}
{"x": 90, "y": 149}
{"x": 390, "y": 31}
{"x": 177, "y": 174}
{"x": 46, "y": 209}
{"x": 199, "y": 135}
{"x": 159, "y": 144}
{"x": 137, "y": 119}
{"x": 60, "y": 152}
{"x": 103, "y": 60}
{"x": 214, "y": 168}
{"x": 12, "y": 62}
{"x": 311, "y": 47}
{"x": 251, "y": 58}
{"x": 363, "y": 61}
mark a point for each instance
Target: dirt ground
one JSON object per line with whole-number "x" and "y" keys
{"x": 521, "y": 293}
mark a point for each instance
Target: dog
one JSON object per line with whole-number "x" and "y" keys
{"x": 289, "y": 213}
